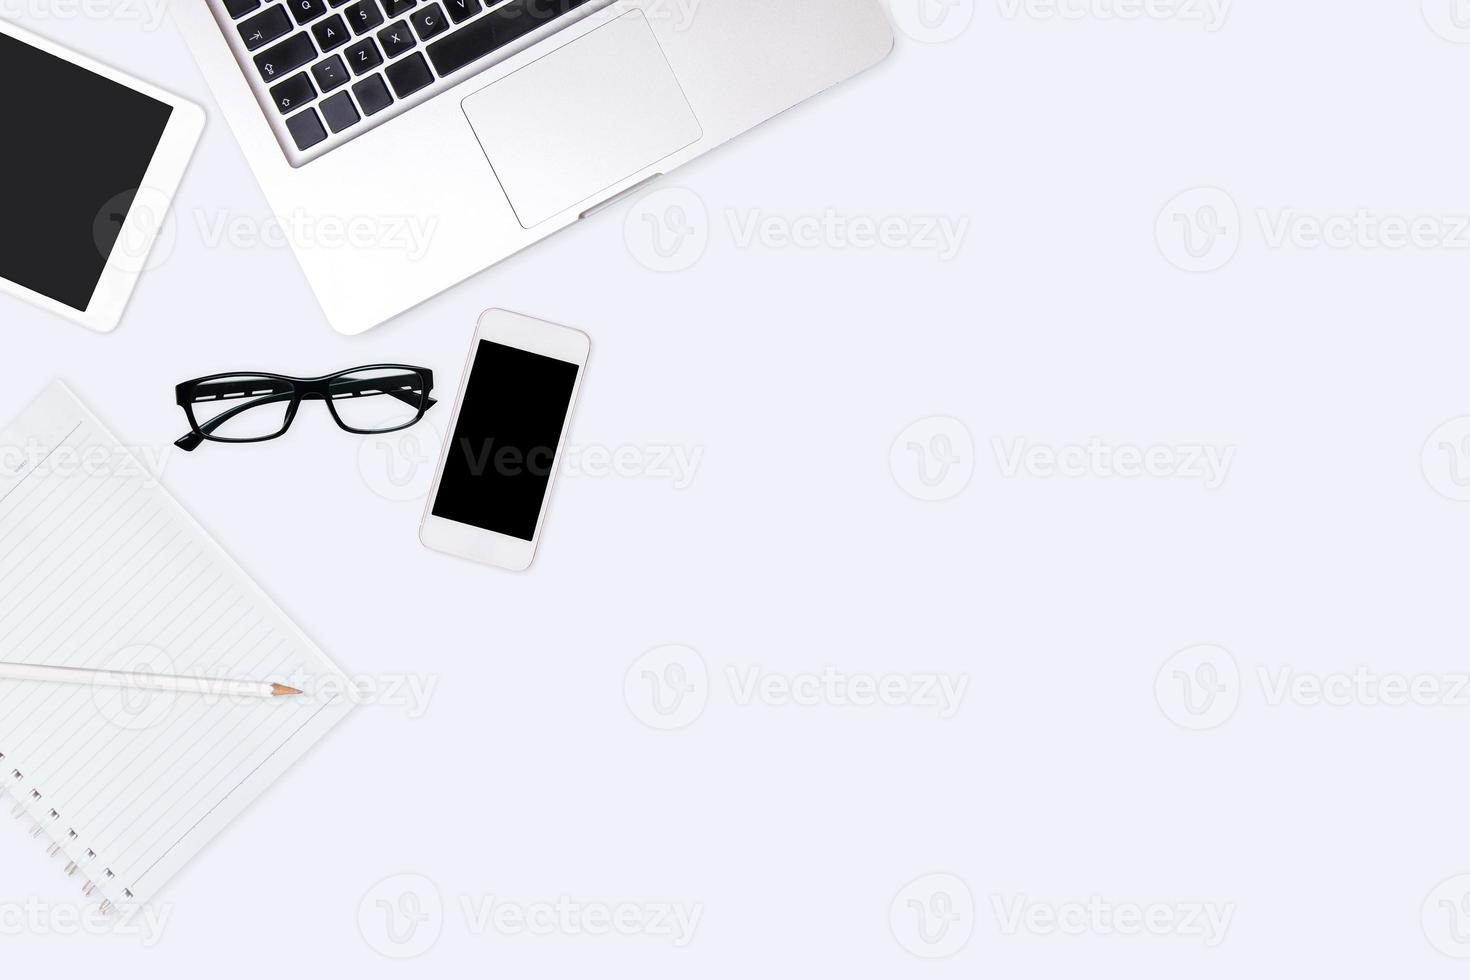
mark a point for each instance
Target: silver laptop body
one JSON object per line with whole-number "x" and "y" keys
{"x": 499, "y": 122}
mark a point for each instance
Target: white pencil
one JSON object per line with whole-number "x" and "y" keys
{"x": 144, "y": 682}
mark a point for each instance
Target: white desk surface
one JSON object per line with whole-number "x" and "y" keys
{"x": 1332, "y": 543}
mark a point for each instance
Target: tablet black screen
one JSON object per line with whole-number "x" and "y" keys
{"x": 76, "y": 147}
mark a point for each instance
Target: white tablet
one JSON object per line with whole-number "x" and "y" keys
{"x": 91, "y": 160}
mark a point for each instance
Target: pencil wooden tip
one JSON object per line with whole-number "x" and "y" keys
{"x": 282, "y": 691}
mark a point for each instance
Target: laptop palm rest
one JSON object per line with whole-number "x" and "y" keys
{"x": 582, "y": 119}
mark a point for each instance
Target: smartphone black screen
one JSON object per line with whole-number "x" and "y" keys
{"x": 500, "y": 456}
{"x": 74, "y": 149}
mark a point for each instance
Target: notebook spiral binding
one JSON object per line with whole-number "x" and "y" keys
{"x": 12, "y": 786}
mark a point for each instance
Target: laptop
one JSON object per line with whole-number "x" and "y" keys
{"x": 488, "y": 125}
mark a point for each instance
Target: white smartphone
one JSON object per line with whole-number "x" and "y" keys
{"x": 510, "y": 422}
{"x": 91, "y": 162}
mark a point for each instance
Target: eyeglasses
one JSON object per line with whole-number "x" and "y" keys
{"x": 261, "y": 407}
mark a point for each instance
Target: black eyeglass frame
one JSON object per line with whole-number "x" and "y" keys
{"x": 327, "y": 388}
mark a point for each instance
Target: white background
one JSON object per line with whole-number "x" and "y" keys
{"x": 1333, "y": 542}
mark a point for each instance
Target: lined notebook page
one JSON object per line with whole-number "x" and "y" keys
{"x": 100, "y": 568}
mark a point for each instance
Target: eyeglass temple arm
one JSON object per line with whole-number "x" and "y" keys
{"x": 406, "y": 388}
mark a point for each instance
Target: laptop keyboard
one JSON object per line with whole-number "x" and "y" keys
{"x": 327, "y": 71}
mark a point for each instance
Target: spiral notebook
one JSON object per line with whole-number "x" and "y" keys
{"x": 101, "y": 568}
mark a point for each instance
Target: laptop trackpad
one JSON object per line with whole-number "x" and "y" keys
{"x": 585, "y": 117}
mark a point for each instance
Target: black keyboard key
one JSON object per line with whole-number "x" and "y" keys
{"x": 306, "y": 11}
{"x": 262, "y": 29}
{"x": 397, "y": 8}
{"x": 429, "y": 21}
{"x": 330, "y": 74}
{"x": 396, "y": 39}
{"x": 330, "y": 33}
{"x": 462, "y": 10}
{"x": 363, "y": 56}
{"x": 464, "y": 46}
{"x": 409, "y": 75}
{"x": 524, "y": 16}
{"x": 364, "y": 16}
{"x": 286, "y": 57}
{"x": 293, "y": 93}
{"x": 239, "y": 8}
{"x": 474, "y": 41}
{"x": 372, "y": 95}
{"x": 339, "y": 112}
{"x": 306, "y": 129}
{"x": 338, "y": 3}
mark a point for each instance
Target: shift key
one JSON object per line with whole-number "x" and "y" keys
{"x": 285, "y": 57}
